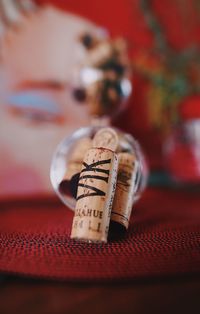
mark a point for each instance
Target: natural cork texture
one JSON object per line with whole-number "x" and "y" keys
{"x": 123, "y": 199}
{"x": 76, "y": 159}
{"x": 106, "y": 138}
{"x": 95, "y": 195}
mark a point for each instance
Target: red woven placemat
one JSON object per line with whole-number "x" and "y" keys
{"x": 163, "y": 239}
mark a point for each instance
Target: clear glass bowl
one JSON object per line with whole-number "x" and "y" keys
{"x": 61, "y": 159}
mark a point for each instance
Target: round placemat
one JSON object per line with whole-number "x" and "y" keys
{"x": 163, "y": 240}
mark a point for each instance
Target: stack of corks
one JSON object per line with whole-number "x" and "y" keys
{"x": 101, "y": 175}
{"x": 107, "y": 61}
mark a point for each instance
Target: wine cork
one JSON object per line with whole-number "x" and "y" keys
{"x": 76, "y": 159}
{"x": 124, "y": 145}
{"x": 99, "y": 54}
{"x": 93, "y": 99}
{"x": 95, "y": 195}
{"x": 104, "y": 96}
{"x": 123, "y": 200}
{"x": 106, "y": 138}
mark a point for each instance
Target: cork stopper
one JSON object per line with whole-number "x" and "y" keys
{"x": 106, "y": 138}
{"x": 69, "y": 183}
{"x": 125, "y": 188}
{"x": 96, "y": 188}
